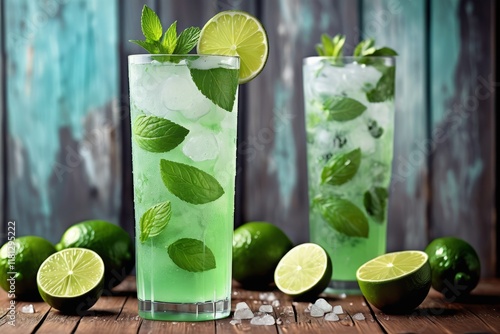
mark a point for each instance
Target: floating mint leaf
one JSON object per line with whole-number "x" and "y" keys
{"x": 342, "y": 108}
{"x": 191, "y": 255}
{"x": 217, "y": 84}
{"x": 375, "y": 201}
{"x": 150, "y": 24}
{"x": 187, "y": 40}
{"x": 343, "y": 216}
{"x": 190, "y": 184}
{"x": 375, "y": 130}
{"x": 341, "y": 168}
{"x": 154, "y": 220}
{"x": 155, "y": 134}
{"x": 169, "y": 41}
{"x": 384, "y": 90}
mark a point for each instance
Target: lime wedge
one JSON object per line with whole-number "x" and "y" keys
{"x": 236, "y": 33}
{"x": 71, "y": 280}
{"x": 396, "y": 282}
{"x": 304, "y": 271}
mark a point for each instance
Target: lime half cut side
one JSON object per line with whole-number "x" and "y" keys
{"x": 71, "y": 280}
{"x": 396, "y": 282}
{"x": 236, "y": 33}
{"x": 305, "y": 271}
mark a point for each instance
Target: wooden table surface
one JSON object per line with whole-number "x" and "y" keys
{"x": 117, "y": 313}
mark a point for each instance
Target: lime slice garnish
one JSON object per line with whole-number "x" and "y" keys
{"x": 236, "y": 33}
{"x": 396, "y": 282}
{"x": 71, "y": 280}
{"x": 305, "y": 270}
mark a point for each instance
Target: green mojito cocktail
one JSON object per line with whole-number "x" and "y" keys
{"x": 184, "y": 128}
{"x": 349, "y": 114}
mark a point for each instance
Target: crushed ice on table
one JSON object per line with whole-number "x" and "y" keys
{"x": 263, "y": 319}
{"x": 235, "y": 321}
{"x": 266, "y": 308}
{"x": 358, "y": 316}
{"x": 317, "y": 311}
{"x": 331, "y": 316}
{"x": 308, "y": 308}
{"x": 338, "y": 309}
{"x": 324, "y": 305}
{"x": 275, "y": 303}
{"x": 242, "y": 311}
{"x": 267, "y": 296}
{"x": 28, "y": 309}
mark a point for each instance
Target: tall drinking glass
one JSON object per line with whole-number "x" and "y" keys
{"x": 184, "y": 117}
{"x": 349, "y": 114}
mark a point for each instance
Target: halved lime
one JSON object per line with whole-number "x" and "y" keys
{"x": 71, "y": 280}
{"x": 304, "y": 271}
{"x": 396, "y": 282}
{"x": 236, "y": 33}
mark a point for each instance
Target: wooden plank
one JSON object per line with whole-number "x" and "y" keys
{"x": 401, "y": 25}
{"x": 463, "y": 113}
{"x": 273, "y": 151}
{"x": 56, "y": 322}
{"x": 102, "y": 317}
{"x": 64, "y": 157}
{"x": 150, "y": 326}
{"x": 21, "y": 322}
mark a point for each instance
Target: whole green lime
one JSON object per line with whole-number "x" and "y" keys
{"x": 455, "y": 266}
{"x": 257, "y": 249}
{"x": 19, "y": 263}
{"x": 113, "y": 244}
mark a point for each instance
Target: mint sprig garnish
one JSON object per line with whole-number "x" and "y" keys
{"x": 170, "y": 43}
{"x": 154, "y": 220}
{"x": 191, "y": 255}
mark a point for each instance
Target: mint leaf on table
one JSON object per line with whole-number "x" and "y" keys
{"x": 188, "y": 183}
{"x": 375, "y": 202}
{"x": 154, "y": 220}
{"x": 218, "y": 84}
{"x": 170, "y": 43}
{"x": 344, "y": 216}
{"x": 342, "y": 108}
{"x": 384, "y": 89}
{"x": 155, "y": 134}
{"x": 191, "y": 255}
{"x": 341, "y": 168}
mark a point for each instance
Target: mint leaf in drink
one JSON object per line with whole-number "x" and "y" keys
{"x": 384, "y": 90}
{"x": 364, "y": 48}
{"x": 344, "y": 216}
{"x": 191, "y": 255}
{"x": 341, "y": 168}
{"x": 331, "y": 47}
{"x": 187, "y": 40}
{"x": 375, "y": 130}
{"x": 189, "y": 183}
{"x": 155, "y": 134}
{"x": 150, "y": 24}
{"x": 219, "y": 85}
{"x": 384, "y": 52}
{"x": 154, "y": 220}
{"x": 170, "y": 43}
{"x": 341, "y": 108}
{"x": 375, "y": 202}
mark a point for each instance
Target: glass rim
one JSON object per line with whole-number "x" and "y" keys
{"x": 349, "y": 59}
{"x": 184, "y": 55}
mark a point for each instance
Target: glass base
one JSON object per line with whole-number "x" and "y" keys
{"x": 343, "y": 288}
{"x": 184, "y": 311}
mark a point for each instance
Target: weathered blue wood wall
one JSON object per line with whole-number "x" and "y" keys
{"x": 444, "y": 168}
{"x": 63, "y": 137}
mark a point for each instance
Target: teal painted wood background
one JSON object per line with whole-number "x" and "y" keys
{"x": 65, "y": 133}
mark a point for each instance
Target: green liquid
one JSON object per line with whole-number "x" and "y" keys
{"x": 167, "y": 91}
{"x": 327, "y": 138}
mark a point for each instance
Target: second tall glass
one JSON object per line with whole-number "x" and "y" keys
{"x": 184, "y": 124}
{"x": 349, "y": 114}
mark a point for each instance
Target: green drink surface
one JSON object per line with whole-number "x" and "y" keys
{"x": 349, "y": 157}
{"x": 167, "y": 91}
